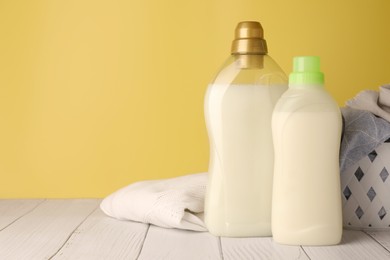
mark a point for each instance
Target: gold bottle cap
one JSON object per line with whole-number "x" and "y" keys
{"x": 249, "y": 39}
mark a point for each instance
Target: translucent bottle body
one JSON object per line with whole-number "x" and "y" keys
{"x": 238, "y": 111}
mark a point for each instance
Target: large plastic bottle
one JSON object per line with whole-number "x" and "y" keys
{"x": 238, "y": 110}
{"x": 306, "y": 127}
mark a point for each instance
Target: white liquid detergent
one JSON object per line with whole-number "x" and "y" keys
{"x": 306, "y": 127}
{"x": 238, "y": 111}
{"x": 238, "y": 199}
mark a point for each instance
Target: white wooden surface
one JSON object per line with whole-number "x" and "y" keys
{"x": 259, "y": 248}
{"x": 77, "y": 229}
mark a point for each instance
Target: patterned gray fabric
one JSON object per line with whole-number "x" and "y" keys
{"x": 362, "y": 133}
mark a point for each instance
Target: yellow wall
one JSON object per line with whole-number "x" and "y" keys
{"x": 95, "y": 95}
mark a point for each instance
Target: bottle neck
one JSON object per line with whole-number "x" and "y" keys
{"x": 249, "y": 61}
{"x": 306, "y": 86}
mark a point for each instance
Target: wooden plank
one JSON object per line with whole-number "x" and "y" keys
{"x": 102, "y": 237}
{"x": 12, "y": 209}
{"x": 161, "y": 243}
{"x": 41, "y": 233}
{"x": 258, "y": 248}
{"x": 382, "y": 237}
{"x": 354, "y": 245}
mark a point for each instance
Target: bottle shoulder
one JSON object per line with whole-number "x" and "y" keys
{"x": 250, "y": 69}
{"x": 313, "y": 99}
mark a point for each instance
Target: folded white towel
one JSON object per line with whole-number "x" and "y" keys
{"x": 169, "y": 203}
{"x": 375, "y": 102}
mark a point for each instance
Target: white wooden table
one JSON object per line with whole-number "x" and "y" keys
{"x": 78, "y": 229}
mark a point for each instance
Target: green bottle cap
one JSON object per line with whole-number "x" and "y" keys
{"x": 306, "y": 70}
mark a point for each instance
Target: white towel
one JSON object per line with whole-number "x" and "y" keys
{"x": 375, "y": 102}
{"x": 169, "y": 203}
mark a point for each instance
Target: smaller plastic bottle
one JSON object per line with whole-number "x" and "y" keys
{"x": 306, "y": 128}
